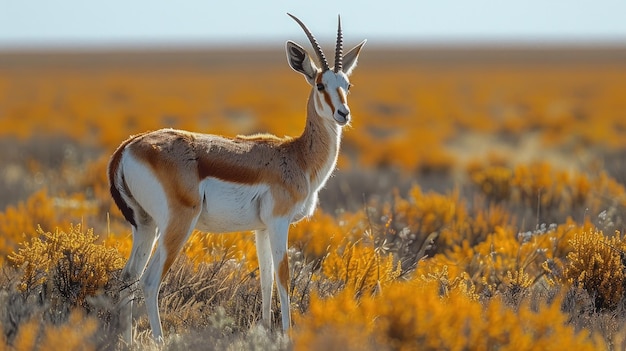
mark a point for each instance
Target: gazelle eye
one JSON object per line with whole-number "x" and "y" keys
{"x": 320, "y": 86}
{"x": 349, "y": 86}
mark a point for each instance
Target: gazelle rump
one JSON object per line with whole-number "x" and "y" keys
{"x": 169, "y": 182}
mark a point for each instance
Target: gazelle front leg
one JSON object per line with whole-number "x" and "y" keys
{"x": 266, "y": 269}
{"x": 278, "y": 233}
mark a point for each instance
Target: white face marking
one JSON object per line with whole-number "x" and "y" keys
{"x": 332, "y": 101}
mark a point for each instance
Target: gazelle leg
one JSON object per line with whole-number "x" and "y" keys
{"x": 143, "y": 241}
{"x": 266, "y": 269}
{"x": 170, "y": 242}
{"x": 278, "y": 242}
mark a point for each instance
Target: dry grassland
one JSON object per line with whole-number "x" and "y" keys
{"x": 479, "y": 201}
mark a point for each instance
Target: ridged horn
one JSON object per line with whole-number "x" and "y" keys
{"x": 314, "y": 43}
{"x": 339, "y": 48}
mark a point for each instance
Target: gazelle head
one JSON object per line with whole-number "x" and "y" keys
{"x": 330, "y": 86}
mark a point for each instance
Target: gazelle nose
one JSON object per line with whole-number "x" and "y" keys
{"x": 342, "y": 116}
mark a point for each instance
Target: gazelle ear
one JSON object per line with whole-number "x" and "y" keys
{"x": 301, "y": 62}
{"x": 350, "y": 59}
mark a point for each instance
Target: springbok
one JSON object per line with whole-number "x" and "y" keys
{"x": 169, "y": 182}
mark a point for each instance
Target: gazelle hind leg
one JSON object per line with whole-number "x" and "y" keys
{"x": 143, "y": 242}
{"x": 170, "y": 242}
{"x": 266, "y": 269}
{"x": 278, "y": 242}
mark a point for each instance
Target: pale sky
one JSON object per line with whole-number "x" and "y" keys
{"x": 76, "y": 23}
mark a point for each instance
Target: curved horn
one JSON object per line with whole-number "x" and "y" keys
{"x": 339, "y": 48}
{"x": 316, "y": 45}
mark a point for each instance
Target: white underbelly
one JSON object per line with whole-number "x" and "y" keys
{"x": 230, "y": 207}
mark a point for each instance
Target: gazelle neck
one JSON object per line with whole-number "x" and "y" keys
{"x": 319, "y": 144}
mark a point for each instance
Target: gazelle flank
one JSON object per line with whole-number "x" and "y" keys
{"x": 169, "y": 182}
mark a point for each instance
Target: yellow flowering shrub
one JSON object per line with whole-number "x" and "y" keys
{"x": 494, "y": 181}
{"x": 360, "y": 268}
{"x": 427, "y": 213}
{"x": 415, "y": 315}
{"x": 545, "y": 190}
{"x": 596, "y": 264}
{"x": 507, "y": 260}
{"x": 554, "y": 190}
{"x": 323, "y": 233}
{"x": 70, "y": 260}
{"x": 441, "y": 220}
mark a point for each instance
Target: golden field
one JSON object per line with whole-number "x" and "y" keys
{"x": 478, "y": 203}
